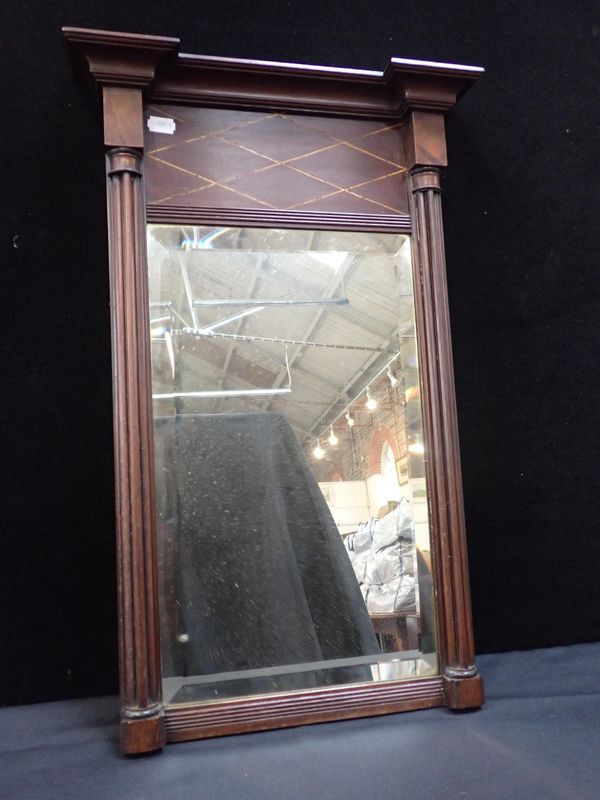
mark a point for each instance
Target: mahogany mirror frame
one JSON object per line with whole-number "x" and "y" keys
{"x": 128, "y": 70}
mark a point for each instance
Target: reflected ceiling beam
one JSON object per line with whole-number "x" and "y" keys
{"x": 168, "y": 305}
{"x": 269, "y": 360}
{"x": 334, "y": 301}
{"x": 220, "y": 393}
{"x": 334, "y": 284}
{"x": 188, "y": 289}
{"x": 243, "y": 389}
{"x": 342, "y": 398}
{"x": 300, "y": 432}
{"x": 367, "y": 324}
{"x": 319, "y": 380}
{"x": 239, "y": 328}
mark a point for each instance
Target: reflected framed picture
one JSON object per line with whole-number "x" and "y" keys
{"x": 402, "y": 470}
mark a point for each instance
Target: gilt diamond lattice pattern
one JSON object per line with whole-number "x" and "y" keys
{"x": 244, "y": 159}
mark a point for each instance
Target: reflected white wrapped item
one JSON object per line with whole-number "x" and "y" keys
{"x": 405, "y": 599}
{"x": 384, "y": 566}
{"x": 408, "y": 560}
{"x": 359, "y": 564}
{"x": 385, "y": 531}
{"x": 359, "y": 542}
{"x": 383, "y": 555}
{"x": 396, "y": 595}
{"x": 398, "y": 523}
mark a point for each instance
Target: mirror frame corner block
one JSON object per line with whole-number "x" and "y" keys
{"x": 128, "y": 71}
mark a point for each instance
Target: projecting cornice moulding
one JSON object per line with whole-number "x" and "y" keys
{"x": 154, "y": 64}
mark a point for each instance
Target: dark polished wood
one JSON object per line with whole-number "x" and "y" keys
{"x": 107, "y": 57}
{"x": 450, "y": 568}
{"x": 215, "y": 157}
{"x": 139, "y": 658}
{"x": 300, "y": 708}
{"x": 426, "y": 139}
{"x": 123, "y": 117}
{"x": 383, "y": 223}
{"x": 414, "y": 93}
{"x": 111, "y": 58}
{"x": 205, "y": 80}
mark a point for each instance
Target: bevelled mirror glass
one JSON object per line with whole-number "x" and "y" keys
{"x": 291, "y": 495}
{"x": 290, "y": 530}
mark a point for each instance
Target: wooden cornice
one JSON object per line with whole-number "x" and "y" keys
{"x": 108, "y": 58}
{"x": 154, "y": 64}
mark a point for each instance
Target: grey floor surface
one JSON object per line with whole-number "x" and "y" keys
{"x": 538, "y": 736}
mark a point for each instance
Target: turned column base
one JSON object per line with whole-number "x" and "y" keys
{"x": 144, "y": 735}
{"x": 463, "y": 693}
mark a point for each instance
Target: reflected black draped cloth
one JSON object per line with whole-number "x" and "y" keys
{"x": 263, "y": 576}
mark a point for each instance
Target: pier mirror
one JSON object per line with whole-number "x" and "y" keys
{"x": 291, "y": 543}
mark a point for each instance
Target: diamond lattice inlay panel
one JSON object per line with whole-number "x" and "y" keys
{"x": 243, "y": 159}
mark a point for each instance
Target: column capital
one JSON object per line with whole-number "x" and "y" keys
{"x": 124, "y": 159}
{"x": 424, "y": 178}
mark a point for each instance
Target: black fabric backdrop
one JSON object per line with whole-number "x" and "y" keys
{"x": 521, "y": 210}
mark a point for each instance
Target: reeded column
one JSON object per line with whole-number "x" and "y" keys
{"x": 463, "y": 685}
{"x": 142, "y": 726}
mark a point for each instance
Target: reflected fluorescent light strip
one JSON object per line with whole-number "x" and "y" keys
{"x": 222, "y": 393}
{"x": 334, "y": 301}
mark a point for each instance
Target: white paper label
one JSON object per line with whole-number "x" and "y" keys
{"x": 161, "y": 125}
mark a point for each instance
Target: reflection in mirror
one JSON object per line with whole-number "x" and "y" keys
{"x": 292, "y": 506}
